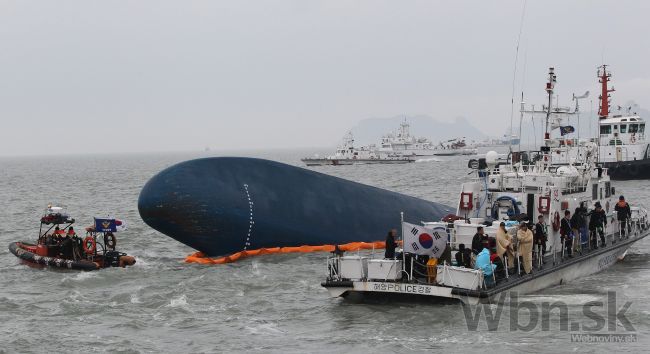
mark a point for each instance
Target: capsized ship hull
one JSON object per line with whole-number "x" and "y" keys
{"x": 224, "y": 205}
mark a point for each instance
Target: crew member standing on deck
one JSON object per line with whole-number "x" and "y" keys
{"x": 540, "y": 237}
{"x": 597, "y": 223}
{"x": 525, "y": 247}
{"x": 576, "y": 224}
{"x": 463, "y": 256}
{"x": 480, "y": 241}
{"x": 623, "y": 214}
{"x": 566, "y": 231}
{"x": 390, "y": 244}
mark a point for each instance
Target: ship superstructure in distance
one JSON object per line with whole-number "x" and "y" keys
{"x": 402, "y": 142}
{"x": 347, "y": 154}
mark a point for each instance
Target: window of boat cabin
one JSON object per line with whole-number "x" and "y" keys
{"x": 608, "y": 189}
{"x": 623, "y": 128}
{"x": 641, "y": 128}
{"x": 605, "y": 129}
{"x": 594, "y": 191}
{"x": 634, "y": 128}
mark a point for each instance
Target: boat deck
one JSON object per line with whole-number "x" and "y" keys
{"x": 552, "y": 268}
{"x": 549, "y": 267}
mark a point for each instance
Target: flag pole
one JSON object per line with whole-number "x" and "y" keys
{"x": 401, "y": 214}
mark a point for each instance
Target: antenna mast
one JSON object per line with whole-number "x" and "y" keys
{"x": 550, "y": 85}
{"x": 604, "y": 77}
{"x": 577, "y": 110}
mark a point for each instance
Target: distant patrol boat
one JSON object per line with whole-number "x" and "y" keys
{"x": 403, "y": 143}
{"x": 348, "y": 154}
{"x": 517, "y": 191}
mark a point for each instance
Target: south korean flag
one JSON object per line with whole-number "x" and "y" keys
{"x": 424, "y": 241}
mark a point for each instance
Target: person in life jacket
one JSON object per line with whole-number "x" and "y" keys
{"x": 540, "y": 237}
{"x": 525, "y": 246}
{"x": 566, "y": 232}
{"x": 504, "y": 246}
{"x": 623, "y": 214}
{"x": 67, "y": 246}
{"x": 58, "y": 233}
{"x": 597, "y": 224}
{"x": 71, "y": 232}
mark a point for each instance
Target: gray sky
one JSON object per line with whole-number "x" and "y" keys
{"x": 115, "y": 76}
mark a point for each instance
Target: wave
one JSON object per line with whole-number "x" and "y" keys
{"x": 430, "y": 159}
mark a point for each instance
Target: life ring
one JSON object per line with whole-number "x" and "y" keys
{"x": 89, "y": 245}
{"x": 556, "y": 221}
{"x": 110, "y": 241}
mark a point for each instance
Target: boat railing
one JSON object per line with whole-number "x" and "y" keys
{"x": 521, "y": 171}
{"x": 333, "y": 268}
{"x": 415, "y": 271}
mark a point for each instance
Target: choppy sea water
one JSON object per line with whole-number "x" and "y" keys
{"x": 272, "y": 303}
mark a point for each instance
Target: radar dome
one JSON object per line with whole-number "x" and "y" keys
{"x": 491, "y": 158}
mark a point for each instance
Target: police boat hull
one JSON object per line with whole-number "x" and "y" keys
{"x": 30, "y": 253}
{"x": 550, "y": 274}
{"x": 27, "y": 252}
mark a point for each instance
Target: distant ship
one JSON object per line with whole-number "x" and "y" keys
{"x": 623, "y": 148}
{"x": 395, "y": 148}
{"x": 403, "y": 143}
{"x": 502, "y": 141}
{"x": 347, "y": 154}
{"x": 454, "y": 147}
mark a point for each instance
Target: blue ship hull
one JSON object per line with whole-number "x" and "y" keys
{"x": 224, "y": 205}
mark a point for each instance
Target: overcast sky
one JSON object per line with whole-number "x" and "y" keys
{"x": 119, "y": 76}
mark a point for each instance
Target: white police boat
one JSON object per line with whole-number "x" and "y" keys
{"x": 527, "y": 185}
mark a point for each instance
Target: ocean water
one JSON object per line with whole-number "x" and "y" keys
{"x": 271, "y": 303}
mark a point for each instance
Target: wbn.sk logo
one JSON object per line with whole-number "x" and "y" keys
{"x": 529, "y": 316}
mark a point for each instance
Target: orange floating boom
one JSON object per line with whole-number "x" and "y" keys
{"x": 199, "y": 257}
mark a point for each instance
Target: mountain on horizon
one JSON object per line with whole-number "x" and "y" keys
{"x": 370, "y": 130}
